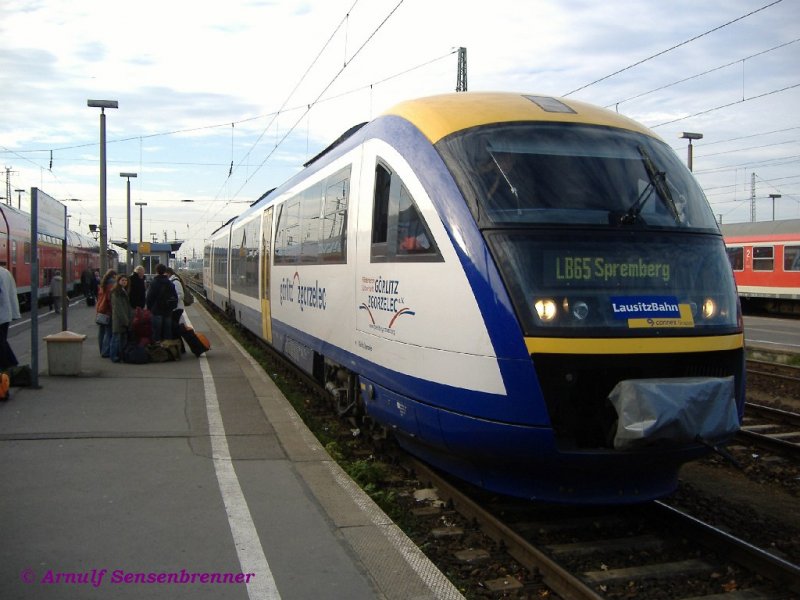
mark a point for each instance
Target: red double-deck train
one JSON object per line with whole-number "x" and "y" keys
{"x": 15, "y": 254}
{"x": 765, "y": 257}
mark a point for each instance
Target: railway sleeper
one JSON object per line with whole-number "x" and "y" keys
{"x": 653, "y": 571}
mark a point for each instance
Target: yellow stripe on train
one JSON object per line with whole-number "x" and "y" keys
{"x": 633, "y": 345}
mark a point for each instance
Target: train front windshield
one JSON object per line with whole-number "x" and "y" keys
{"x": 595, "y": 228}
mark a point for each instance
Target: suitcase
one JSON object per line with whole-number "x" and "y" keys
{"x": 197, "y": 342}
{"x": 90, "y": 300}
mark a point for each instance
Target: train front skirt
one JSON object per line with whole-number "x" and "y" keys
{"x": 526, "y": 460}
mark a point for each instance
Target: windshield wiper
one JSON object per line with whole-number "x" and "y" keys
{"x": 658, "y": 182}
{"x": 508, "y": 182}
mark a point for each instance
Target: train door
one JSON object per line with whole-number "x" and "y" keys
{"x": 5, "y": 244}
{"x": 266, "y": 259}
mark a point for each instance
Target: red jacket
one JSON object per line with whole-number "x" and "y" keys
{"x": 104, "y": 299}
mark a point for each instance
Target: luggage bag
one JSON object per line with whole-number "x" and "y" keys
{"x": 197, "y": 342}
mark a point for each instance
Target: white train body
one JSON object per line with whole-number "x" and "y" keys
{"x": 379, "y": 269}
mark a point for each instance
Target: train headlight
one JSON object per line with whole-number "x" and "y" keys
{"x": 709, "y": 308}
{"x": 546, "y": 309}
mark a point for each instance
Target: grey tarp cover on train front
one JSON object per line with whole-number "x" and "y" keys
{"x": 678, "y": 410}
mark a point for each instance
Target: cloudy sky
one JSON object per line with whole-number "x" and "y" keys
{"x": 221, "y": 101}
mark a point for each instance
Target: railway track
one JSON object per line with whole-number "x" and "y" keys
{"x": 779, "y": 380}
{"x": 772, "y": 429}
{"x": 651, "y": 550}
{"x": 769, "y": 427}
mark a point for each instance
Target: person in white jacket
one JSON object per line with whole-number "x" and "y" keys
{"x": 9, "y": 310}
{"x": 179, "y": 318}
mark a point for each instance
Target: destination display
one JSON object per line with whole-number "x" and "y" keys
{"x": 563, "y": 268}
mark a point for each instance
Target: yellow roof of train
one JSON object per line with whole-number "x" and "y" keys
{"x": 439, "y": 116}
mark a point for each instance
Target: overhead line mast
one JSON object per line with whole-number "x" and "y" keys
{"x": 461, "y": 80}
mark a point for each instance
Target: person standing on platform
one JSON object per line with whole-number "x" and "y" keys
{"x": 89, "y": 285}
{"x": 161, "y": 301}
{"x": 103, "y": 318}
{"x": 137, "y": 288}
{"x": 177, "y": 314}
{"x": 55, "y": 291}
{"x": 121, "y": 318}
{"x": 9, "y": 311}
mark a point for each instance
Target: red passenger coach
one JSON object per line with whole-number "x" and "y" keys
{"x": 765, "y": 257}
{"x": 15, "y": 254}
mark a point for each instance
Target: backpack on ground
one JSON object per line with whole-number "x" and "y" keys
{"x": 157, "y": 353}
{"x": 173, "y": 347}
{"x": 135, "y": 354}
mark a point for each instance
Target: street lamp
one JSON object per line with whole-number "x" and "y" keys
{"x": 773, "y": 196}
{"x": 690, "y": 136}
{"x": 128, "y": 249}
{"x": 103, "y": 105}
{"x": 19, "y": 198}
{"x": 140, "y": 205}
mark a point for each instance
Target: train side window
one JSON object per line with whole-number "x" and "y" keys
{"x": 412, "y": 236}
{"x": 380, "y": 210}
{"x": 399, "y": 232}
{"x": 763, "y": 258}
{"x": 27, "y": 253}
{"x": 244, "y": 259}
{"x": 334, "y": 219}
{"x": 312, "y": 225}
{"x": 220, "y": 262}
{"x": 791, "y": 258}
{"x": 310, "y": 210}
{"x": 736, "y": 257}
{"x": 287, "y": 242}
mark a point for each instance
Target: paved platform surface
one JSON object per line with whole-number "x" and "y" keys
{"x": 189, "y": 479}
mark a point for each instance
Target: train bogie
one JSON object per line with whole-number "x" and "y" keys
{"x": 484, "y": 270}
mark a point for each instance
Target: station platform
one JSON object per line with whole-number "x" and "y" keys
{"x": 188, "y": 479}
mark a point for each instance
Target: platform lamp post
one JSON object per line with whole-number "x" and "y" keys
{"x": 103, "y": 105}
{"x": 690, "y": 136}
{"x": 129, "y": 262}
{"x": 773, "y": 196}
{"x": 19, "y": 198}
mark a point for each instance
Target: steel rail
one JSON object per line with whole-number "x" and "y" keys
{"x": 561, "y": 581}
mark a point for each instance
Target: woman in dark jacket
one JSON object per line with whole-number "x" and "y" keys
{"x": 121, "y": 318}
{"x": 104, "y": 308}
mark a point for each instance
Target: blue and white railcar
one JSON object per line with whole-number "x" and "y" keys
{"x": 531, "y": 293}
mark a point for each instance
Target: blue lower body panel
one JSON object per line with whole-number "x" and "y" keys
{"x": 521, "y": 460}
